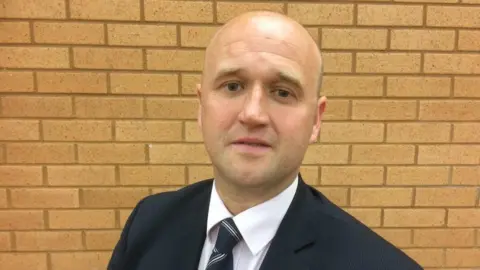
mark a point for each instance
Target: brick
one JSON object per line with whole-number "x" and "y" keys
{"x": 110, "y": 153}
{"x": 144, "y": 83}
{"x": 427, "y": 1}
{"x": 383, "y": 154}
{"x": 390, "y": 62}
{"x": 105, "y": 9}
{"x": 425, "y": 217}
{"x": 38, "y": 9}
{"x": 14, "y": 32}
{"x": 338, "y": 196}
{"x": 24, "y": 261}
{"x": 19, "y": 130}
{"x": 3, "y": 198}
{"x": 384, "y": 110}
{"x": 142, "y": 35}
{"x": 322, "y": 14}
{"x": 466, "y": 175}
{"x": 326, "y": 154}
{"x": 44, "y": 197}
{"x": 5, "y": 241}
{"x": 72, "y": 82}
{"x": 352, "y": 132}
{"x": 466, "y": 86}
{"x": 20, "y": 176}
{"x": 388, "y": 15}
{"x": 193, "y": 132}
{"x": 352, "y": 86}
{"x": 113, "y": 197}
{"x": 79, "y": 260}
{"x": 151, "y": 131}
{"x": 427, "y": 257}
{"x": 3, "y": 154}
{"x": 469, "y": 257}
{"x": 448, "y": 154}
{"x": 337, "y": 110}
{"x": 345, "y": 38}
{"x": 369, "y": 217}
{"x": 418, "y": 132}
{"x": 196, "y": 36}
{"x": 152, "y": 175}
{"x": 381, "y": 197}
{"x": 175, "y": 60}
{"x": 69, "y": 33}
{"x": 419, "y": 39}
{"x": 109, "y": 107}
{"x": 466, "y": 217}
{"x": 351, "y": 176}
{"x": 21, "y": 220}
{"x": 172, "y": 108}
{"x": 179, "y": 154}
{"x": 463, "y": 132}
{"x": 446, "y": 196}
{"x": 34, "y": 57}
{"x": 36, "y": 106}
{"x": 468, "y": 40}
{"x": 337, "y": 62}
{"x": 48, "y": 241}
{"x": 16, "y": 81}
{"x": 81, "y": 219}
{"x": 310, "y": 174}
{"x": 403, "y": 86}
{"x": 40, "y": 153}
{"x": 314, "y": 33}
{"x": 399, "y": 237}
{"x": 443, "y": 237}
{"x": 199, "y": 173}
{"x": 461, "y": 63}
{"x": 450, "y": 110}
{"x": 228, "y": 10}
{"x": 453, "y": 16}
{"x": 417, "y": 175}
{"x": 77, "y": 130}
{"x": 179, "y": 11}
{"x": 189, "y": 83}
{"x": 107, "y": 58}
{"x": 102, "y": 240}
{"x": 78, "y": 175}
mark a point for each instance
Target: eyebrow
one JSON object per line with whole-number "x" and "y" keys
{"x": 281, "y": 75}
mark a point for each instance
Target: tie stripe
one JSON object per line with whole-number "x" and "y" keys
{"x": 228, "y": 237}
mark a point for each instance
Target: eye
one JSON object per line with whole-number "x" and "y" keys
{"x": 282, "y": 93}
{"x": 232, "y": 86}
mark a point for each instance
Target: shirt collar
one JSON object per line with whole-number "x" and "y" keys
{"x": 258, "y": 224}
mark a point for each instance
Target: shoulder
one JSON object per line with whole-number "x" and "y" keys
{"x": 355, "y": 240}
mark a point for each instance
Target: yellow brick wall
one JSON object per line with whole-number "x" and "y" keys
{"x": 97, "y": 110}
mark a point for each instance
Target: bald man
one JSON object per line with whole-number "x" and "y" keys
{"x": 259, "y": 111}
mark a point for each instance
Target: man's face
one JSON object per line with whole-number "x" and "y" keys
{"x": 259, "y": 108}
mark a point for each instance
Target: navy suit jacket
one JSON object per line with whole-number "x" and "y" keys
{"x": 166, "y": 231}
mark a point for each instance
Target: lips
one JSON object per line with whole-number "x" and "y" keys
{"x": 252, "y": 142}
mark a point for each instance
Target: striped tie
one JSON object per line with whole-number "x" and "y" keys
{"x": 228, "y": 237}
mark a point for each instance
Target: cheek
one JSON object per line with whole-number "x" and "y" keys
{"x": 293, "y": 127}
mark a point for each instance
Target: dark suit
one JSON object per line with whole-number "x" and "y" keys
{"x": 166, "y": 232}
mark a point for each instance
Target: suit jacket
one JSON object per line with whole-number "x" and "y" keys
{"x": 166, "y": 231}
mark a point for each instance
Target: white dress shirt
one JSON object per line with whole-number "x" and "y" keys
{"x": 257, "y": 225}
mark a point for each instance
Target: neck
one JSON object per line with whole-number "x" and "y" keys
{"x": 238, "y": 198}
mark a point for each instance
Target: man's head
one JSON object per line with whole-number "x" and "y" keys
{"x": 259, "y": 105}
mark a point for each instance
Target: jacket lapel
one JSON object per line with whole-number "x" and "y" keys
{"x": 298, "y": 242}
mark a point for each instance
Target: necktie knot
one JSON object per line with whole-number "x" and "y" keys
{"x": 228, "y": 237}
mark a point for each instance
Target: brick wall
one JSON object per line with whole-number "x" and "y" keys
{"x": 98, "y": 110}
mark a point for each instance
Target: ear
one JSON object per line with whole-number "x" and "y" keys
{"x": 199, "y": 95}
{"x": 320, "y": 110}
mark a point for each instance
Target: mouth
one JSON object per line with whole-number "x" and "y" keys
{"x": 251, "y": 146}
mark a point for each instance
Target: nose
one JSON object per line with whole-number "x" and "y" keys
{"x": 254, "y": 110}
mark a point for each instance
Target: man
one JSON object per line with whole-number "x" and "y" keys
{"x": 259, "y": 111}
